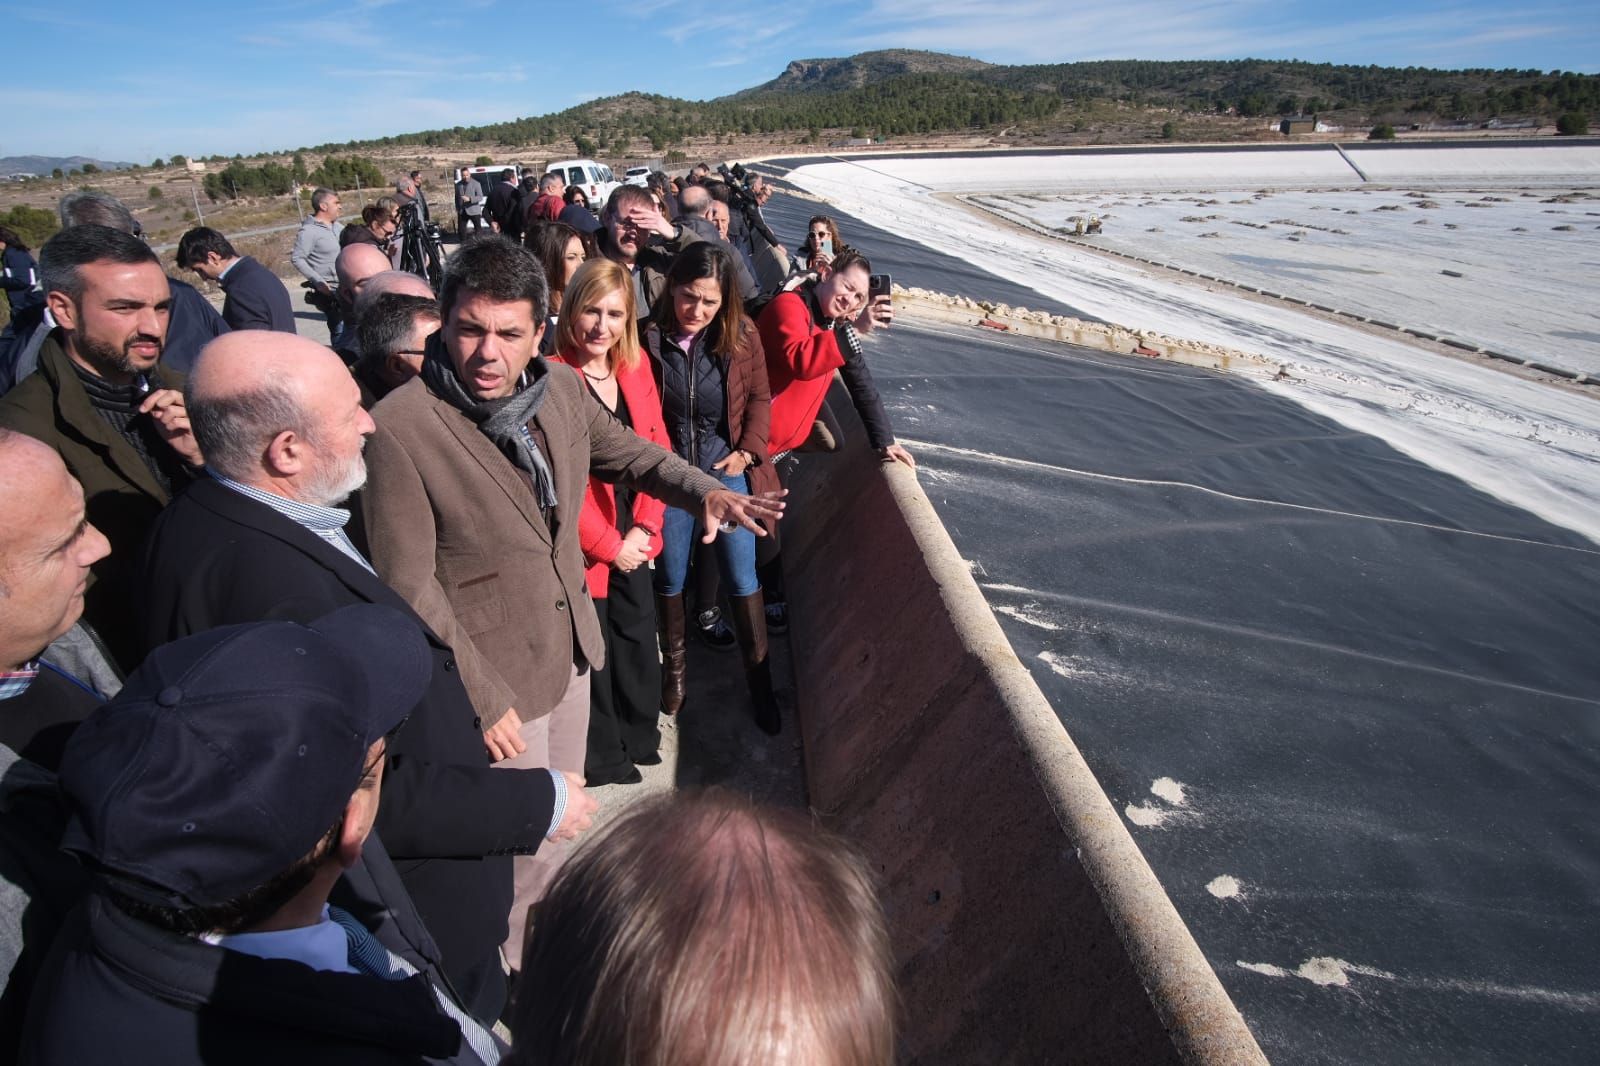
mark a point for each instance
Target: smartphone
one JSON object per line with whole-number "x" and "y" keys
{"x": 825, "y": 247}
{"x": 879, "y": 285}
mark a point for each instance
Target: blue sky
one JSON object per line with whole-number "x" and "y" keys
{"x": 132, "y": 82}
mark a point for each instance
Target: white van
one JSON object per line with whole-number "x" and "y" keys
{"x": 595, "y": 179}
{"x": 489, "y": 176}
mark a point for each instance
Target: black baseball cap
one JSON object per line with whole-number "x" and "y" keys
{"x": 229, "y": 754}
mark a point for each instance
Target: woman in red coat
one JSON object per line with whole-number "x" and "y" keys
{"x": 619, "y": 531}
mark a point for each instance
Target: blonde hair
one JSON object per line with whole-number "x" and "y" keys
{"x": 702, "y": 930}
{"x": 595, "y": 280}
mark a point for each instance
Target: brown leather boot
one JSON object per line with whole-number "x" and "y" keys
{"x": 674, "y": 659}
{"x": 750, "y": 624}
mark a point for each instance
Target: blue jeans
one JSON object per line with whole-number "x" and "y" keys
{"x": 736, "y": 551}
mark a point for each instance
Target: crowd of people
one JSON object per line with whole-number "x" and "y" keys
{"x": 453, "y": 558}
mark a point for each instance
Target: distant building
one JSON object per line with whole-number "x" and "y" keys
{"x": 21, "y": 176}
{"x": 196, "y": 167}
{"x": 852, "y": 142}
{"x": 1298, "y": 124}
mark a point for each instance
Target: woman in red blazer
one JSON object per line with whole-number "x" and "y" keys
{"x": 619, "y": 531}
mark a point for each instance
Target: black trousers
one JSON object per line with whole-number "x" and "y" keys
{"x": 625, "y": 697}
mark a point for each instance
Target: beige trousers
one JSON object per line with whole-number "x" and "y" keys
{"x": 557, "y": 741}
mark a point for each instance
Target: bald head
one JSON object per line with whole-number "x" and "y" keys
{"x": 251, "y": 386}
{"x": 693, "y": 200}
{"x": 251, "y": 358}
{"x": 46, "y": 548}
{"x": 28, "y": 468}
{"x": 400, "y": 281}
{"x": 356, "y": 264}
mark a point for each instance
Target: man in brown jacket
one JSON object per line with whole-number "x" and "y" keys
{"x": 476, "y": 475}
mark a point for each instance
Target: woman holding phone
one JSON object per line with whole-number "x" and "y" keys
{"x": 821, "y": 245}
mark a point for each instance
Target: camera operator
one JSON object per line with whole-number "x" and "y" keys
{"x": 408, "y": 190}
{"x": 748, "y": 229}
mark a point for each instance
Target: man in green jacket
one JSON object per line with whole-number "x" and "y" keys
{"x": 102, "y": 400}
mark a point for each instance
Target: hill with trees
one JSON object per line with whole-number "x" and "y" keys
{"x": 901, "y": 92}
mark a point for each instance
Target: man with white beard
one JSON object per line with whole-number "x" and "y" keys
{"x": 263, "y": 538}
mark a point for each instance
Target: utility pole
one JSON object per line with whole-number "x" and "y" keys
{"x": 193, "y": 192}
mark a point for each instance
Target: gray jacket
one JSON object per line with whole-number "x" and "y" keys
{"x": 316, "y": 246}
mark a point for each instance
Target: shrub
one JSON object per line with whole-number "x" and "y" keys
{"x": 1572, "y": 124}
{"x": 1381, "y": 133}
{"x": 33, "y": 224}
{"x": 337, "y": 173}
{"x": 1169, "y": 130}
{"x": 155, "y": 192}
{"x": 483, "y": 161}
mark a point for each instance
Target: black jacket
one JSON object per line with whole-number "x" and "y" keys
{"x": 451, "y": 822}
{"x": 505, "y": 207}
{"x": 694, "y": 397}
{"x": 256, "y": 298}
{"x": 40, "y": 886}
{"x": 117, "y": 990}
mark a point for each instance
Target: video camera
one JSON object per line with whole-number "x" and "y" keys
{"x": 737, "y": 179}
{"x": 421, "y": 245}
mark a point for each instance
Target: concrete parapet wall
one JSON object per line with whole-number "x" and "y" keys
{"x": 1027, "y": 926}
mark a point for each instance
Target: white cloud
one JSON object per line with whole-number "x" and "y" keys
{"x": 1039, "y": 32}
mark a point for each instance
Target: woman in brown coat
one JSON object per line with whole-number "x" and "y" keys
{"x": 712, "y": 376}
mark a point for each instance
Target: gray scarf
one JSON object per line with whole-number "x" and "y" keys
{"x": 503, "y": 421}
